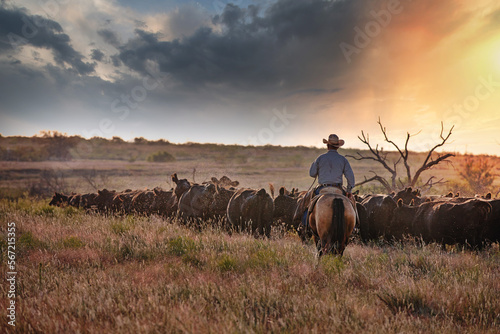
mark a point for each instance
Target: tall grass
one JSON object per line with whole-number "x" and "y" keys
{"x": 96, "y": 274}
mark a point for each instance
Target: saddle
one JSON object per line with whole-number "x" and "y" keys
{"x": 331, "y": 190}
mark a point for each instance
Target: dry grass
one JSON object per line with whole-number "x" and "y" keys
{"x": 96, "y": 274}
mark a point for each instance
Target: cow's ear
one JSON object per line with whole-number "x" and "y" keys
{"x": 157, "y": 191}
{"x": 450, "y": 194}
{"x": 427, "y": 200}
{"x": 409, "y": 190}
{"x": 174, "y": 178}
{"x": 214, "y": 180}
{"x": 488, "y": 196}
{"x": 412, "y": 203}
{"x": 400, "y": 203}
{"x": 211, "y": 188}
{"x": 457, "y": 194}
{"x": 282, "y": 191}
{"x": 261, "y": 192}
{"x": 100, "y": 192}
{"x": 393, "y": 194}
{"x": 235, "y": 183}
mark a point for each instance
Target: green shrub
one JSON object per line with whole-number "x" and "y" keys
{"x": 72, "y": 242}
{"x": 332, "y": 264}
{"x": 45, "y": 210}
{"x": 181, "y": 245}
{"x": 226, "y": 263}
{"x": 120, "y": 227}
{"x": 28, "y": 241}
{"x": 161, "y": 157}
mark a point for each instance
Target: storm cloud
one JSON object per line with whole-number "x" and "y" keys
{"x": 291, "y": 45}
{"x": 185, "y": 65}
{"x": 20, "y": 28}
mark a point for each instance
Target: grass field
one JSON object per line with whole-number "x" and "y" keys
{"x": 85, "y": 273}
{"x": 81, "y": 273}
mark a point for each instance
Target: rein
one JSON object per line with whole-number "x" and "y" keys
{"x": 312, "y": 184}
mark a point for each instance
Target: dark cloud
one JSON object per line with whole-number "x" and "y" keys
{"x": 292, "y": 45}
{"x": 109, "y": 37}
{"x": 20, "y": 28}
{"x": 97, "y": 55}
{"x": 116, "y": 60}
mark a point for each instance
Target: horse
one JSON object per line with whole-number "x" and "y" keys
{"x": 331, "y": 219}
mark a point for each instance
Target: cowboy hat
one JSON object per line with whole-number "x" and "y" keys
{"x": 334, "y": 141}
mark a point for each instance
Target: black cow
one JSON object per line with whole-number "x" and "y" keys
{"x": 445, "y": 222}
{"x": 379, "y": 211}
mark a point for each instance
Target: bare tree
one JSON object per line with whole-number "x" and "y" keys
{"x": 90, "y": 177}
{"x": 381, "y": 157}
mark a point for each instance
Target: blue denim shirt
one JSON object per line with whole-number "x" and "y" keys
{"x": 330, "y": 166}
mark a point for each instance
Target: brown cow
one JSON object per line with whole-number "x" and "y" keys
{"x": 401, "y": 223}
{"x": 492, "y": 233}
{"x": 445, "y": 222}
{"x": 196, "y": 201}
{"x": 74, "y": 200}
{"x": 87, "y": 201}
{"x": 284, "y": 208}
{"x": 122, "y": 202}
{"x": 224, "y": 182}
{"x": 303, "y": 201}
{"x": 104, "y": 200}
{"x": 164, "y": 202}
{"x": 142, "y": 202}
{"x": 379, "y": 210}
{"x": 59, "y": 199}
{"x": 253, "y": 209}
{"x": 408, "y": 195}
{"x": 181, "y": 186}
{"x": 362, "y": 228}
{"x": 221, "y": 198}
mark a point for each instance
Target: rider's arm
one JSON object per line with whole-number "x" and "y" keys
{"x": 349, "y": 175}
{"x": 313, "y": 171}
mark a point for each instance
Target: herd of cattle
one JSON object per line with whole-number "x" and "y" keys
{"x": 444, "y": 219}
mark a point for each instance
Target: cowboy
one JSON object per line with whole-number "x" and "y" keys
{"x": 331, "y": 166}
{"x": 329, "y": 169}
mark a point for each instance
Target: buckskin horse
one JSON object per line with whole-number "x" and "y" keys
{"x": 331, "y": 219}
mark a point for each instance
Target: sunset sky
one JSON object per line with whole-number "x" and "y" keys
{"x": 283, "y": 72}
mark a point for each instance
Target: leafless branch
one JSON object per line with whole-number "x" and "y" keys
{"x": 428, "y": 164}
{"x": 403, "y": 154}
{"x": 430, "y": 183}
{"x": 378, "y": 155}
{"x": 376, "y": 178}
{"x": 91, "y": 179}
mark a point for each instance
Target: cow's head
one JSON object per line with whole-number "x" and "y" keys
{"x": 407, "y": 195}
{"x": 59, "y": 199}
{"x": 181, "y": 186}
{"x": 284, "y": 204}
{"x": 220, "y": 200}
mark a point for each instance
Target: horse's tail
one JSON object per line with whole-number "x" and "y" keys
{"x": 338, "y": 224}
